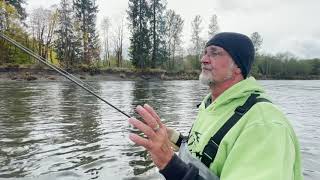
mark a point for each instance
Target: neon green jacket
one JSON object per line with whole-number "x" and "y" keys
{"x": 261, "y": 146}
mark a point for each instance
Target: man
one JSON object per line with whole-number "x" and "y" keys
{"x": 238, "y": 133}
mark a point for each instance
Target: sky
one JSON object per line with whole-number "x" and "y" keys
{"x": 285, "y": 25}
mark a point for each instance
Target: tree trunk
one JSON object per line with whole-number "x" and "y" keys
{"x": 154, "y": 36}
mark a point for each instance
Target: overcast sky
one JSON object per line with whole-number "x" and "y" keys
{"x": 285, "y": 25}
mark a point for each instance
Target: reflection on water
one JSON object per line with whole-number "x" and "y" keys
{"x": 55, "y": 130}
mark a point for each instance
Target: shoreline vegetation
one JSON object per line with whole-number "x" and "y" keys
{"x": 93, "y": 74}
{"x": 156, "y": 50}
{"x": 16, "y": 73}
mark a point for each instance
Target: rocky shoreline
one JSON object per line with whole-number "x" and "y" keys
{"x": 43, "y": 74}
{"x": 28, "y": 74}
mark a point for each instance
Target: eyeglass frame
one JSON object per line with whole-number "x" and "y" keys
{"x": 214, "y": 52}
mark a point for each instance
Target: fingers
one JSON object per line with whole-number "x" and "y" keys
{"x": 153, "y": 113}
{"x": 142, "y": 127}
{"x": 147, "y": 117}
{"x": 139, "y": 140}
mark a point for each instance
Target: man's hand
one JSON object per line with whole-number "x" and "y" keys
{"x": 157, "y": 143}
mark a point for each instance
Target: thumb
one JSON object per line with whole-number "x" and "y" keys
{"x": 173, "y": 135}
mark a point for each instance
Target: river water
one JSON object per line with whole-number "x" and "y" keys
{"x": 55, "y": 130}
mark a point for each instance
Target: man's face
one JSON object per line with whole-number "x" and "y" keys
{"x": 217, "y": 66}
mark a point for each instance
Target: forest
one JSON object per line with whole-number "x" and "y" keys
{"x": 67, "y": 35}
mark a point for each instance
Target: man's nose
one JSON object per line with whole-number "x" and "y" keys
{"x": 205, "y": 59}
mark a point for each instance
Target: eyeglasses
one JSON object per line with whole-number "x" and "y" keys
{"x": 212, "y": 53}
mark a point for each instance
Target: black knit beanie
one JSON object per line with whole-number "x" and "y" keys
{"x": 239, "y": 47}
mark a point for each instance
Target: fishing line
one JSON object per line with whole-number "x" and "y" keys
{"x": 64, "y": 73}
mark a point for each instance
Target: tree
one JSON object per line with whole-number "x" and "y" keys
{"x": 256, "y": 40}
{"x": 18, "y": 4}
{"x": 315, "y": 64}
{"x": 197, "y": 41}
{"x": 67, "y": 45}
{"x": 38, "y": 25}
{"x": 11, "y": 13}
{"x": 157, "y": 32}
{"x": 85, "y": 13}
{"x": 106, "y": 25}
{"x": 43, "y": 24}
{"x": 174, "y": 27}
{"x": 2, "y": 15}
{"x": 213, "y": 26}
{"x": 6, "y": 11}
{"x": 140, "y": 45}
{"x": 11, "y": 25}
{"x": 52, "y": 25}
{"x": 118, "y": 42}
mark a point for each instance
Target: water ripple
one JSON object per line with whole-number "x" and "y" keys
{"x": 54, "y": 130}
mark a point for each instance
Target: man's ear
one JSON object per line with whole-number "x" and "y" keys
{"x": 238, "y": 70}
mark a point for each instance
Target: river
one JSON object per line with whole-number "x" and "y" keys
{"x": 55, "y": 130}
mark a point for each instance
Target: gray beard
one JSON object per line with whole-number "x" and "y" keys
{"x": 209, "y": 81}
{"x": 206, "y": 79}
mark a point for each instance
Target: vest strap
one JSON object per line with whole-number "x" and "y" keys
{"x": 211, "y": 149}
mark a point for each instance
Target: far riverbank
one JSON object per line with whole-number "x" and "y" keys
{"x": 44, "y": 74}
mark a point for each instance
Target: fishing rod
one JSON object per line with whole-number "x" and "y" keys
{"x": 64, "y": 73}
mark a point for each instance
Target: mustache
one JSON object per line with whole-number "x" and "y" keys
{"x": 206, "y": 67}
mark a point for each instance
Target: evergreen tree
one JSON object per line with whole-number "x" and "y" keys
{"x": 85, "y": 13}
{"x": 139, "y": 50}
{"x": 157, "y": 26}
{"x": 315, "y": 64}
{"x": 67, "y": 44}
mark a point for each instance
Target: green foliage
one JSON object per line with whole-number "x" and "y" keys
{"x": 284, "y": 66}
{"x": 67, "y": 45}
{"x": 157, "y": 32}
{"x": 192, "y": 62}
{"x": 140, "y": 44}
{"x": 18, "y": 5}
{"x": 112, "y": 62}
{"x": 12, "y": 26}
{"x": 315, "y": 64}
{"x": 155, "y": 43}
{"x": 176, "y": 65}
{"x": 85, "y": 14}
